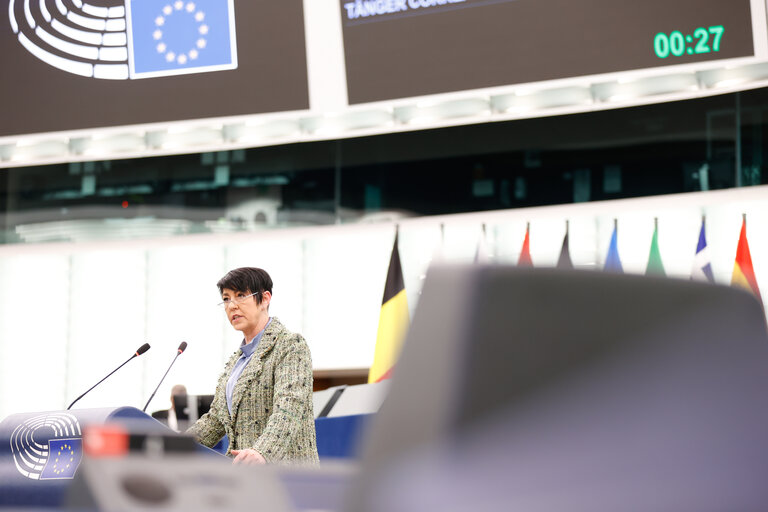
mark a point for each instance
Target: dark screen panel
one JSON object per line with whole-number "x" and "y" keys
{"x": 271, "y": 74}
{"x": 402, "y": 48}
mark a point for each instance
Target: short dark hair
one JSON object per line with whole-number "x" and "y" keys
{"x": 247, "y": 279}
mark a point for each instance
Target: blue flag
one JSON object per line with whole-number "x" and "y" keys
{"x": 172, "y": 37}
{"x": 702, "y": 267}
{"x": 612, "y": 261}
{"x": 64, "y": 457}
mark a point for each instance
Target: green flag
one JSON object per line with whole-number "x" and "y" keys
{"x": 655, "y": 266}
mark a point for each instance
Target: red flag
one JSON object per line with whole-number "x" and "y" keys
{"x": 525, "y": 253}
{"x": 743, "y": 273}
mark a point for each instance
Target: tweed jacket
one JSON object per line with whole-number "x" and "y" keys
{"x": 271, "y": 403}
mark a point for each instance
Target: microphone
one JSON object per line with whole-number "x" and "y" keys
{"x": 138, "y": 352}
{"x": 179, "y": 350}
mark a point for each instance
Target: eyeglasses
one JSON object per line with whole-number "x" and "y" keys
{"x": 235, "y": 300}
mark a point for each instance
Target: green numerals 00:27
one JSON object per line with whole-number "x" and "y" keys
{"x": 678, "y": 44}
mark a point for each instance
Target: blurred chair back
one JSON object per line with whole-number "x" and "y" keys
{"x": 572, "y": 374}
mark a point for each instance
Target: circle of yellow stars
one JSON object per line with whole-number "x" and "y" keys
{"x": 62, "y": 454}
{"x": 202, "y": 30}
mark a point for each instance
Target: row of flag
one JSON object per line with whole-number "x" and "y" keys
{"x": 743, "y": 272}
{"x": 394, "y": 316}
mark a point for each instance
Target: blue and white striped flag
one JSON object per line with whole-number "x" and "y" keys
{"x": 702, "y": 267}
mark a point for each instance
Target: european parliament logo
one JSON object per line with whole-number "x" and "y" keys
{"x": 47, "y": 447}
{"x": 127, "y": 39}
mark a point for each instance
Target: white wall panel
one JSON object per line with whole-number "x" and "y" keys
{"x": 34, "y": 305}
{"x": 420, "y": 245}
{"x": 344, "y": 285}
{"x": 182, "y": 303}
{"x": 108, "y": 323}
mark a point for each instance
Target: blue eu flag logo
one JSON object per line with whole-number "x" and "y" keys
{"x": 172, "y": 37}
{"x": 64, "y": 457}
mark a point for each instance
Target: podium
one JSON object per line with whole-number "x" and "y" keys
{"x": 40, "y": 452}
{"x": 342, "y": 417}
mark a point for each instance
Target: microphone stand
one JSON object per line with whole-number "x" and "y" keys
{"x": 178, "y": 353}
{"x": 138, "y": 352}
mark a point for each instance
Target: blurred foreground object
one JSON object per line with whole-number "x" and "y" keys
{"x": 41, "y": 452}
{"x": 547, "y": 390}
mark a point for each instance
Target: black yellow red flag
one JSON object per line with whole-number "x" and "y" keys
{"x": 393, "y": 321}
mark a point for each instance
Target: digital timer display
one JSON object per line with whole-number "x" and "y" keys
{"x": 676, "y": 44}
{"x": 409, "y": 48}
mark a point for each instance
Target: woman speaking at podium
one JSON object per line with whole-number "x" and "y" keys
{"x": 263, "y": 400}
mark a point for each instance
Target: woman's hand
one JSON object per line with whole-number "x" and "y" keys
{"x": 248, "y": 456}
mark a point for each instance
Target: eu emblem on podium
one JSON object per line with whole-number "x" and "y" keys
{"x": 64, "y": 458}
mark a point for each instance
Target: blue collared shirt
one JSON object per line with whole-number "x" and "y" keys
{"x": 246, "y": 353}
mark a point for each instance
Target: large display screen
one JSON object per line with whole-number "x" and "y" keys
{"x": 77, "y": 64}
{"x": 403, "y": 48}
